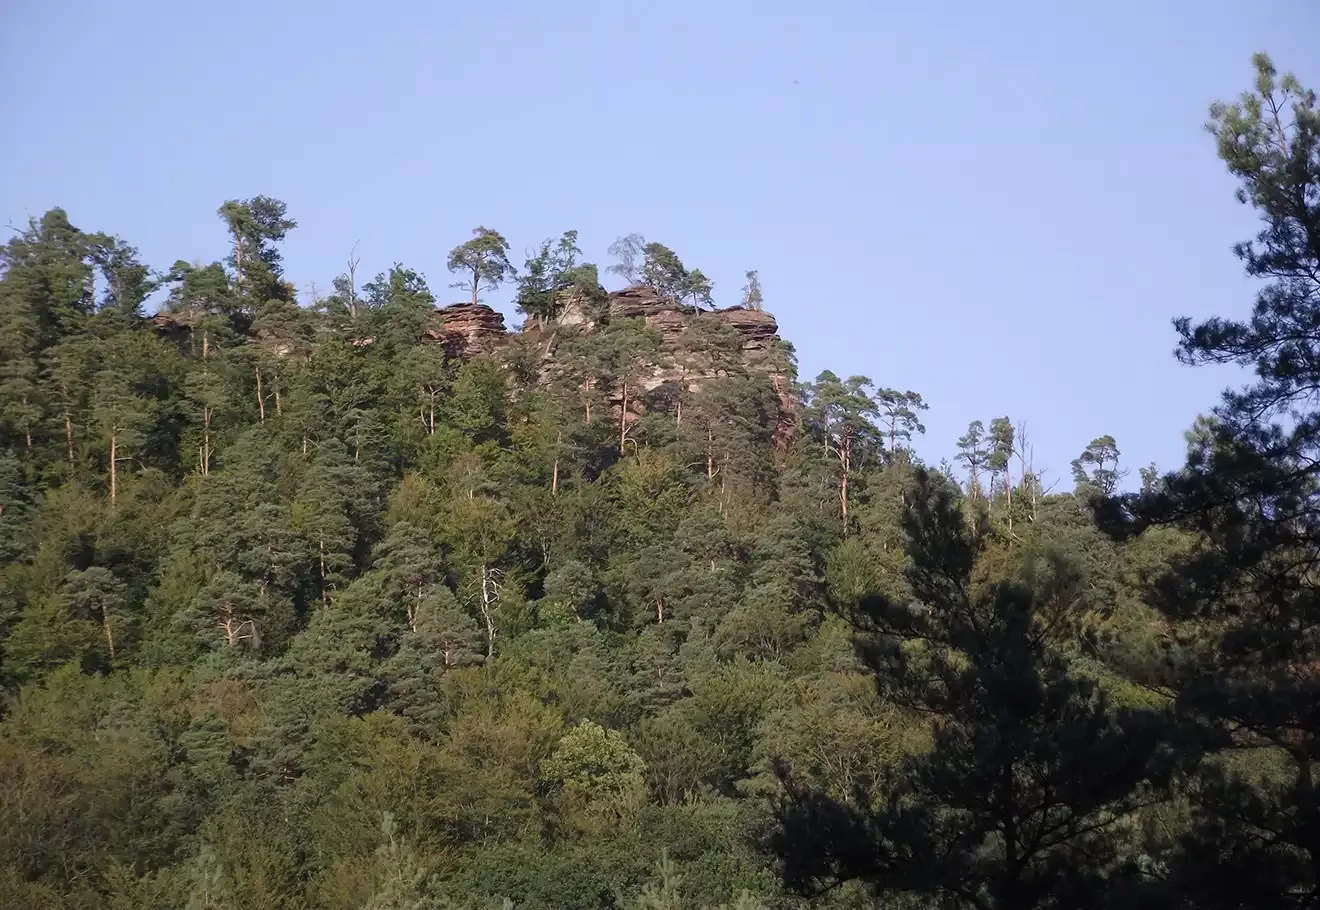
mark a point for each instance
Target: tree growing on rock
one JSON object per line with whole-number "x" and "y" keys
{"x": 550, "y": 274}
{"x": 483, "y": 262}
{"x": 629, "y": 252}
{"x": 663, "y": 272}
{"x": 256, "y": 227}
{"x": 752, "y": 298}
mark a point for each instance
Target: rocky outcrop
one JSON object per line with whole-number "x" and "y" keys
{"x": 468, "y": 329}
{"x": 758, "y": 329}
{"x": 171, "y": 327}
{"x": 762, "y": 349}
{"x": 760, "y": 334}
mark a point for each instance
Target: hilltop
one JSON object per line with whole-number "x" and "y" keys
{"x": 373, "y": 603}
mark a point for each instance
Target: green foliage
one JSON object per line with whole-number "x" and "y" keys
{"x": 1240, "y": 655}
{"x": 1096, "y": 470}
{"x": 1030, "y": 766}
{"x": 483, "y": 262}
{"x": 554, "y": 275}
{"x": 594, "y": 772}
{"x": 752, "y": 298}
{"x": 657, "y": 267}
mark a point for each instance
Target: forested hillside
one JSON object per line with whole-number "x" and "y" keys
{"x": 362, "y": 601}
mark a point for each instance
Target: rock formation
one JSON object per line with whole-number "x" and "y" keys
{"x": 762, "y": 349}
{"x": 468, "y": 329}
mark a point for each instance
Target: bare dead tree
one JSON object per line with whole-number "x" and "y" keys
{"x": 353, "y": 261}
{"x": 491, "y": 591}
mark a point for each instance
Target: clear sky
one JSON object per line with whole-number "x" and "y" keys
{"x": 998, "y": 205}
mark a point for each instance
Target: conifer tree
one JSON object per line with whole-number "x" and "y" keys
{"x": 121, "y": 414}
{"x": 898, "y": 416}
{"x": 1032, "y": 772}
{"x": 1242, "y": 658}
{"x": 626, "y": 350}
{"x": 752, "y": 296}
{"x": 1096, "y": 470}
{"x": 483, "y": 262}
{"x": 842, "y": 414}
{"x": 96, "y": 594}
{"x": 256, "y": 228}
{"x": 974, "y": 455}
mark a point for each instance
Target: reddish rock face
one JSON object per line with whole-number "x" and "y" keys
{"x": 468, "y": 330}
{"x": 759, "y": 331}
{"x": 760, "y": 344}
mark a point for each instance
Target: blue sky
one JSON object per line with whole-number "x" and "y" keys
{"x": 1000, "y": 206}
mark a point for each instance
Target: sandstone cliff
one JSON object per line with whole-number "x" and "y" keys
{"x": 761, "y": 347}
{"x": 468, "y": 329}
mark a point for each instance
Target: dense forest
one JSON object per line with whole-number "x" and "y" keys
{"x": 361, "y": 602}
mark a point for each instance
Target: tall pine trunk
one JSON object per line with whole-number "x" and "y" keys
{"x": 321, "y": 548}
{"x": 68, "y": 421}
{"x": 623, "y": 421}
{"x": 710, "y": 453}
{"x": 1008, "y": 496}
{"x": 206, "y": 440}
{"x": 489, "y": 594}
{"x": 554, "y": 473}
{"x": 845, "y": 460}
{"x": 105, "y": 625}
{"x": 114, "y": 465}
{"x": 261, "y": 400}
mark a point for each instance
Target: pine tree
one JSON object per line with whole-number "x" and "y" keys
{"x": 15, "y": 507}
{"x": 410, "y": 569}
{"x": 974, "y": 455}
{"x": 128, "y": 282}
{"x": 96, "y": 594}
{"x": 121, "y": 414}
{"x": 483, "y": 262}
{"x": 441, "y": 639}
{"x": 228, "y": 613}
{"x": 256, "y": 228}
{"x": 1032, "y": 775}
{"x": 1242, "y": 659}
{"x": 999, "y": 460}
{"x": 752, "y": 298}
{"x": 1096, "y": 470}
{"x": 898, "y": 416}
{"x": 626, "y": 350}
{"x": 842, "y": 414}
{"x": 552, "y": 275}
